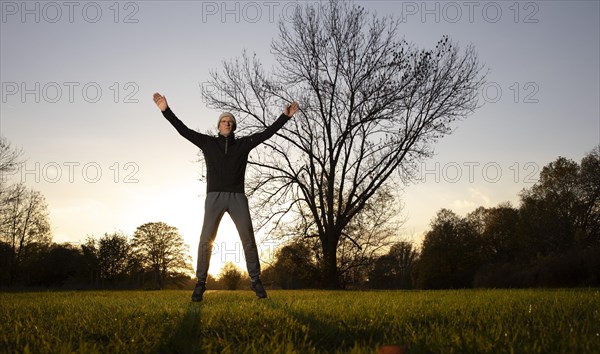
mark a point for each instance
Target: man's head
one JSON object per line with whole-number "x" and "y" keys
{"x": 227, "y": 123}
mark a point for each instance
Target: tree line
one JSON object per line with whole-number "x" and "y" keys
{"x": 155, "y": 257}
{"x": 551, "y": 239}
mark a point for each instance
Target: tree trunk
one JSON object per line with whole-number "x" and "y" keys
{"x": 330, "y": 273}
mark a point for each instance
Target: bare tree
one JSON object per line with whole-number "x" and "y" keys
{"x": 24, "y": 222}
{"x": 372, "y": 106}
{"x": 10, "y": 159}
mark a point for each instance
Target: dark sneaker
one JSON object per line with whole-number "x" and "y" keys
{"x": 259, "y": 289}
{"x": 198, "y": 292}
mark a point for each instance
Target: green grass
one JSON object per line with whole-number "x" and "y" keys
{"x": 305, "y": 321}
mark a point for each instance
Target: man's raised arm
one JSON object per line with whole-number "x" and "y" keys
{"x": 191, "y": 135}
{"x": 288, "y": 112}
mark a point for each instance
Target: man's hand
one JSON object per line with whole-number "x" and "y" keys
{"x": 160, "y": 101}
{"x": 289, "y": 110}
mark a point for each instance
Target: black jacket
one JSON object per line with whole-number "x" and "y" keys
{"x": 226, "y": 157}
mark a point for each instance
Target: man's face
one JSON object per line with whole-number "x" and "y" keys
{"x": 226, "y": 126}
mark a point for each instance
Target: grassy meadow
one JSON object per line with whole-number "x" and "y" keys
{"x": 303, "y": 321}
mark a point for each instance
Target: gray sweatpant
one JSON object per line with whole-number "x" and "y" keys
{"x": 215, "y": 205}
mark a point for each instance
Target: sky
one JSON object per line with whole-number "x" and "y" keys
{"x": 78, "y": 77}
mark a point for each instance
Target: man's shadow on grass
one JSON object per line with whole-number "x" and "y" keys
{"x": 186, "y": 336}
{"x": 323, "y": 336}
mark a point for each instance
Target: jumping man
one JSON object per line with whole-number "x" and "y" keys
{"x": 226, "y": 157}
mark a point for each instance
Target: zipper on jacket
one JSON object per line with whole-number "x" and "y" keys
{"x": 226, "y": 143}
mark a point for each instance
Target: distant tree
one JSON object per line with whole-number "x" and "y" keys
{"x": 589, "y": 213}
{"x": 10, "y": 159}
{"x": 6, "y": 255}
{"x": 547, "y": 209}
{"x": 395, "y": 269}
{"x": 27, "y": 273}
{"x": 230, "y": 276}
{"x": 295, "y": 267}
{"x": 372, "y": 106}
{"x": 114, "y": 257}
{"x": 161, "y": 250}
{"x": 25, "y": 223}
{"x": 91, "y": 264}
{"x": 450, "y": 254}
{"x": 497, "y": 228}
{"x": 501, "y": 228}
{"x": 562, "y": 210}
{"x": 61, "y": 264}
{"x": 211, "y": 282}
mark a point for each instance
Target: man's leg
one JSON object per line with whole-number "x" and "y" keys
{"x": 214, "y": 208}
{"x": 240, "y": 214}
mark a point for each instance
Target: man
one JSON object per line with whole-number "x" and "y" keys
{"x": 226, "y": 158}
